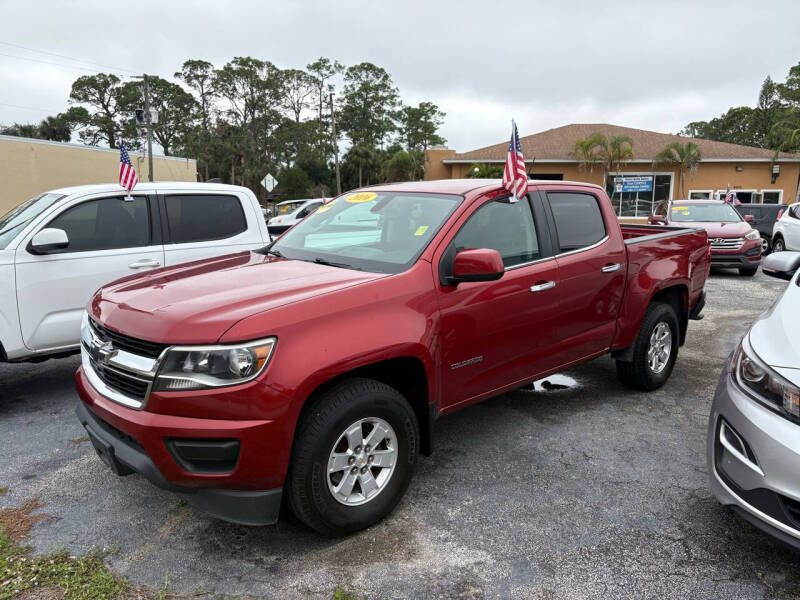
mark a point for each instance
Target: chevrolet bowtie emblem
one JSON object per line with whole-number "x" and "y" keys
{"x": 105, "y": 350}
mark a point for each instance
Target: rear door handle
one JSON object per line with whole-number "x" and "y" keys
{"x": 543, "y": 286}
{"x": 144, "y": 264}
{"x": 611, "y": 268}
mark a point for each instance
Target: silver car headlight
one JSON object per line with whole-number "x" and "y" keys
{"x": 765, "y": 384}
{"x": 185, "y": 368}
{"x": 753, "y": 234}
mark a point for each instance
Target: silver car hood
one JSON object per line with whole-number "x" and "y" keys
{"x": 775, "y": 336}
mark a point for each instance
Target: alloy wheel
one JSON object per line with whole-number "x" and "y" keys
{"x": 659, "y": 348}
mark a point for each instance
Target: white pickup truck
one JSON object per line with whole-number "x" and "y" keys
{"x": 61, "y": 246}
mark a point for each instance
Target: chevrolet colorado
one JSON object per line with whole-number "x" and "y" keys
{"x": 313, "y": 370}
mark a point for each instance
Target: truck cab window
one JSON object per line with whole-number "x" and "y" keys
{"x": 105, "y": 224}
{"x": 505, "y": 227}
{"x": 204, "y": 217}
{"x": 579, "y": 222}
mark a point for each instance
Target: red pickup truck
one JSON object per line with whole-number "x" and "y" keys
{"x": 314, "y": 369}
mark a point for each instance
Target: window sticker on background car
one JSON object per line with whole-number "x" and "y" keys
{"x": 361, "y": 197}
{"x": 323, "y": 208}
{"x": 421, "y": 230}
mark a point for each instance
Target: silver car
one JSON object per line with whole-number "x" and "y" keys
{"x": 754, "y": 427}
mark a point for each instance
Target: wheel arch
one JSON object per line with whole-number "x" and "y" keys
{"x": 407, "y": 375}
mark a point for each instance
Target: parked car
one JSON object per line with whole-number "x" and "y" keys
{"x": 734, "y": 242}
{"x": 754, "y": 427}
{"x": 763, "y": 219}
{"x": 786, "y": 233}
{"x": 61, "y": 246}
{"x": 315, "y": 368}
{"x": 291, "y": 212}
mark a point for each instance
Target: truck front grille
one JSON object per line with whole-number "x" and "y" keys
{"x": 726, "y": 243}
{"x": 129, "y": 344}
{"x": 129, "y": 384}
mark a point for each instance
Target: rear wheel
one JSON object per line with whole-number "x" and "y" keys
{"x": 654, "y": 351}
{"x": 353, "y": 457}
{"x": 748, "y": 271}
{"x": 778, "y": 245}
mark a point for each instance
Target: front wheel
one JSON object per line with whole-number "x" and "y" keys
{"x": 748, "y": 271}
{"x": 778, "y": 245}
{"x": 765, "y": 244}
{"x": 654, "y": 351}
{"x": 353, "y": 457}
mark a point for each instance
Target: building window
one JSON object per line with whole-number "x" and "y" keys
{"x": 772, "y": 196}
{"x": 640, "y": 192}
{"x": 701, "y": 194}
{"x": 743, "y": 196}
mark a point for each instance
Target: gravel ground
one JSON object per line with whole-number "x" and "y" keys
{"x": 590, "y": 491}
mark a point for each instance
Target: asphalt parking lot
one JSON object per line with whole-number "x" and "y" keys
{"x": 583, "y": 492}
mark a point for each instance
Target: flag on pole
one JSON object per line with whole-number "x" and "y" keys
{"x": 127, "y": 174}
{"x": 515, "y": 178}
{"x": 728, "y": 195}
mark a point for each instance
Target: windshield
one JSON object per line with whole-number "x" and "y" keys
{"x": 709, "y": 213}
{"x": 15, "y": 220}
{"x": 382, "y": 232}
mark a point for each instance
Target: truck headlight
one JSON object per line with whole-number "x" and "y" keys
{"x": 764, "y": 383}
{"x": 753, "y": 235}
{"x": 203, "y": 367}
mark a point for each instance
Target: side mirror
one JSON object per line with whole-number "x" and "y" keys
{"x": 477, "y": 264}
{"x": 49, "y": 240}
{"x": 782, "y": 265}
{"x": 749, "y": 218}
{"x": 657, "y": 220}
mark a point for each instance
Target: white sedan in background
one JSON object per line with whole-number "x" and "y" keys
{"x": 786, "y": 232}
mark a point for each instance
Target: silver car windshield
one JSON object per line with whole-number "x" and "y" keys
{"x": 383, "y": 232}
{"x": 15, "y": 220}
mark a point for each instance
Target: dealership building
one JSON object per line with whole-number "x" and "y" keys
{"x": 756, "y": 175}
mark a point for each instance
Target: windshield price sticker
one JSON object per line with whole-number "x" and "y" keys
{"x": 361, "y": 197}
{"x": 421, "y": 230}
{"x": 324, "y": 207}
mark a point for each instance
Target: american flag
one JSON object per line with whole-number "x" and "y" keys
{"x": 127, "y": 174}
{"x": 515, "y": 179}
{"x": 728, "y": 195}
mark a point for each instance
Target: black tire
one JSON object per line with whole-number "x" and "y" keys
{"x": 778, "y": 245}
{"x": 748, "y": 271}
{"x": 637, "y": 373}
{"x": 332, "y": 412}
{"x": 766, "y": 244}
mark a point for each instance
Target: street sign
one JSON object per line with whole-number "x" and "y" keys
{"x": 269, "y": 182}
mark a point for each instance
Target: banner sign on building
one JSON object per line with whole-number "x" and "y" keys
{"x": 634, "y": 183}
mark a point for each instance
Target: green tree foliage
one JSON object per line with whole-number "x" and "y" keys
{"x": 484, "y": 171}
{"x": 770, "y": 124}
{"x": 686, "y": 157}
{"x": 370, "y": 102}
{"x": 248, "y": 117}
{"x": 612, "y": 152}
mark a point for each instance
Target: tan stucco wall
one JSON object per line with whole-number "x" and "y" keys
{"x": 30, "y": 167}
{"x": 710, "y": 176}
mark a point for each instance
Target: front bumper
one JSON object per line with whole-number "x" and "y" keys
{"x": 131, "y": 441}
{"x": 749, "y": 255}
{"x": 758, "y": 475}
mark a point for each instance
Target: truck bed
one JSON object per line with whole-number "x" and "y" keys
{"x": 633, "y": 234}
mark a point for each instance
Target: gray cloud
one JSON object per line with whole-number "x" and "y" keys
{"x": 644, "y": 64}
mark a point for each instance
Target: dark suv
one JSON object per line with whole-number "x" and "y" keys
{"x": 764, "y": 217}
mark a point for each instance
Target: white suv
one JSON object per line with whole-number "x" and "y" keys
{"x": 786, "y": 232}
{"x": 61, "y": 246}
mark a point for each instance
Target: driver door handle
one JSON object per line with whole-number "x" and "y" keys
{"x": 611, "y": 268}
{"x": 144, "y": 264}
{"x": 543, "y": 286}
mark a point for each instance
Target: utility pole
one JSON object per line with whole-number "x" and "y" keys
{"x": 335, "y": 147}
{"x": 149, "y": 128}
{"x": 148, "y": 124}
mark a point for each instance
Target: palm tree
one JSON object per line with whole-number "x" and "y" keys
{"x": 363, "y": 156}
{"x": 686, "y": 157}
{"x": 612, "y": 152}
{"x": 584, "y": 151}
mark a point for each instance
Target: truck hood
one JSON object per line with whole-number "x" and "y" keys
{"x": 195, "y": 303}
{"x": 724, "y": 230}
{"x": 775, "y": 337}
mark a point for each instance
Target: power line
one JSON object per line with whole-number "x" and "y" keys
{"x": 29, "y": 107}
{"x": 86, "y": 62}
{"x": 47, "y": 62}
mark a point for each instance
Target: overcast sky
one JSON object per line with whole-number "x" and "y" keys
{"x": 654, "y": 65}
